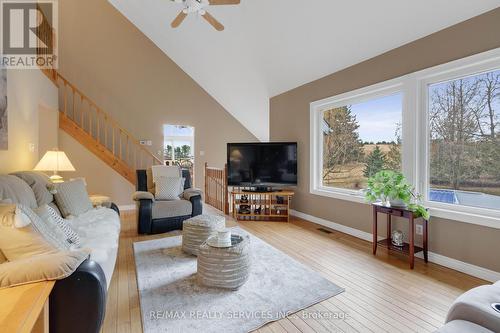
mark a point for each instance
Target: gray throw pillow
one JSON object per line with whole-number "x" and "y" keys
{"x": 168, "y": 188}
{"x": 38, "y": 182}
{"x": 72, "y": 198}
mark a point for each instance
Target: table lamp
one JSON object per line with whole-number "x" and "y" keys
{"x": 55, "y": 161}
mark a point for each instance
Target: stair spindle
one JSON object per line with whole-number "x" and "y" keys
{"x": 81, "y": 112}
{"x": 113, "y": 143}
{"x": 74, "y": 104}
{"x": 120, "y": 143}
{"x": 65, "y": 97}
{"x": 106, "y": 131}
{"x": 98, "y": 128}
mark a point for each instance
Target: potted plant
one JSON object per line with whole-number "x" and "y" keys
{"x": 392, "y": 188}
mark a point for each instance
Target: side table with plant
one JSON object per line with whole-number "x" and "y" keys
{"x": 392, "y": 188}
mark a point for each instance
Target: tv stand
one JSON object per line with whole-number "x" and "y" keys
{"x": 261, "y": 206}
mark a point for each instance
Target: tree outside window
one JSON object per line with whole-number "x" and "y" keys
{"x": 361, "y": 139}
{"x": 464, "y": 116}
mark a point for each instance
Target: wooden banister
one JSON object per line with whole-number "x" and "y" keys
{"x": 121, "y": 146}
{"x": 216, "y": 192}
{"x": 116, "y": 155}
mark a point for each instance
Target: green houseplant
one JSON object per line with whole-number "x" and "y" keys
{"x": 393, "y": 188}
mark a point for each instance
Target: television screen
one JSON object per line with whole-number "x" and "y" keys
{"x": 262, "y": 164}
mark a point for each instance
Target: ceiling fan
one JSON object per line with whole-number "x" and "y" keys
{"x": 199, "y": 7}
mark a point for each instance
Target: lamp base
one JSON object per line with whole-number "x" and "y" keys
{"x": 56, "y": 179}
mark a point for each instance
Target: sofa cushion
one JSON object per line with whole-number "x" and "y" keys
{"x": 15, "y": 189}
{"x": 462, "y": 326}
{"x": 99, "y": 230}
{"x": 165, "y": 209}
{"x": 39, "y": 183}
{"x": 72, "y": 198}
{"x": 168, "y": 188}
{"x": 35, "y": 238}
{"x": 54, "y": 265}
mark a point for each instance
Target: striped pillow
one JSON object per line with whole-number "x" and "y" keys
{"x": 49, "y": 215}
{"x": 52, "y": 235}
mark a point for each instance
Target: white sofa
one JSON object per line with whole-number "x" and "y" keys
{"x": 99, "y": 228}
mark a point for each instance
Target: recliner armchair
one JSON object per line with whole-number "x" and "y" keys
{"x": 159, "y": 216}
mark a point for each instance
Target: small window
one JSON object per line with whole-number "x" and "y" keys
{"x": 179, "y": 145}
{"x": 464, "y": 150}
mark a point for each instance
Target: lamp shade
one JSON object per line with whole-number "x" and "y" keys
{"x": 54, "y": 160}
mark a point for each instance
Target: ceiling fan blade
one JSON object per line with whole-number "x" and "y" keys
{"x": 178, "y": 20}
{"x": 210, "y": 19}
{"x": 224, "y": 2}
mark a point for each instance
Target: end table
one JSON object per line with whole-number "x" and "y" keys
{"x": 407, "y": 249}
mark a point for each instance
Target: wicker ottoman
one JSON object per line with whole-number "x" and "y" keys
{"x": 226, "y": 268}
{"x": 196, "y": 230}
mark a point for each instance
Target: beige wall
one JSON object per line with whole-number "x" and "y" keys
{"x": 290, "y": 122}
{"x": 28, "y": 91}
{"x": 110, "y": 60}
{"x": 100, "y": 178}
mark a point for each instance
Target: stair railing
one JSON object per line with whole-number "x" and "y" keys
{"x": 216, "y": 190}
{"x": 104, "y": 129}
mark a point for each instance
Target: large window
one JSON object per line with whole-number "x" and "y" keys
{"x": 361, "y": 139}
{"x": 464, "y": 154}
{"x": 439, "y": 126}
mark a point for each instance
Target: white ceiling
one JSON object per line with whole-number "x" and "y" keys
{"x": 271, "y": 46}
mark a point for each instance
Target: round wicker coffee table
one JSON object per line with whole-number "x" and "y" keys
{"x": 226, "y": 268}
{"x": 196, "y": 230}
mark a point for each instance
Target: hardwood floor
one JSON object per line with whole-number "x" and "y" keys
{"x": 381, "y": 293}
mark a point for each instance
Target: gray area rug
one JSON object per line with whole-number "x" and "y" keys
{"x": 172, "y": 301}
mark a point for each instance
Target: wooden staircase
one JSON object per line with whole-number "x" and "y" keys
{"x": 87, "y": 123}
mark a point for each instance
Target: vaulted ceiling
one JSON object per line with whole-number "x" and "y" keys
{"x": 271, "y": 46}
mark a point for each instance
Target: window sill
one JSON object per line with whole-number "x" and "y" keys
{"x": 354, "y": 197}
{"x": 445, "y": 213}
{"x": 465, "y": 217}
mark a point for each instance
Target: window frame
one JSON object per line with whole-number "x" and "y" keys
{"x": 416, "y": 133}
{"x": 474, "y": 65}
{"x": 317, "y": 109}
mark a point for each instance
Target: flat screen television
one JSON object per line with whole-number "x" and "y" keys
{"x": 262, "y": 164}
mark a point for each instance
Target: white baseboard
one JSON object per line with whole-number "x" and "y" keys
{"x": 126, "y": 207}
{"x": 462, "y": 266}
{"x": 335, "y": 226}
{"x": 439, "y": 259}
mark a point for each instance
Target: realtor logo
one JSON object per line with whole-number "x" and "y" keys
{"x": 28, "y": 34}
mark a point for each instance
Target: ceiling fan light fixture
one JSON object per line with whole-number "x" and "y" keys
{"x": 202, "y": 12}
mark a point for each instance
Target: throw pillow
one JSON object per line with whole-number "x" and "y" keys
{"x": 50, "y": 216}
{"x": 17, "y": 243}
{"x": 54, "y": 265}
{"x": 72, "y": 198}
{"x": 38, "y": 182}
{"x": 168, "y": 188}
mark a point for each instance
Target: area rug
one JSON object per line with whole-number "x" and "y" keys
{"x": 172, "y": 300}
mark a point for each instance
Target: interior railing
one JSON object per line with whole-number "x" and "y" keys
{"x": 216, "y": 190}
